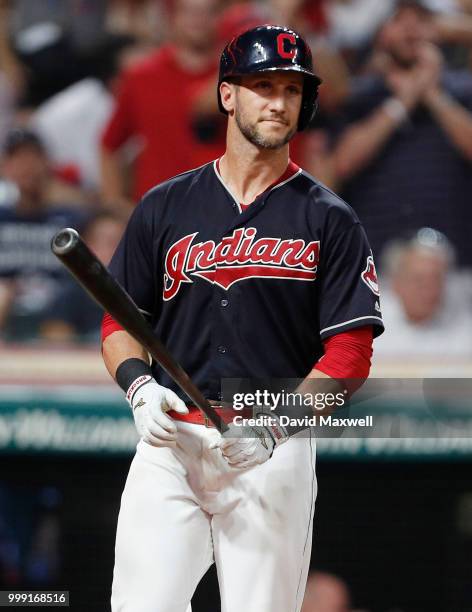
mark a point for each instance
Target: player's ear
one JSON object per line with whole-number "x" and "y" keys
{"x": 228, "y": 95}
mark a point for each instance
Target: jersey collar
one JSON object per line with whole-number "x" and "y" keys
{"x": 291, "y": 172}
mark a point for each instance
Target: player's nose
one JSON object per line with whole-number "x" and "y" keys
{"x": 277, "y": 103}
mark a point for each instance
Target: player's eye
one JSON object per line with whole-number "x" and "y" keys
{"x": 294, "y": 90}
{"x": 263, "y": 85}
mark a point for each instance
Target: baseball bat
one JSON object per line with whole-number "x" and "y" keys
{"x": 72, "y": 251}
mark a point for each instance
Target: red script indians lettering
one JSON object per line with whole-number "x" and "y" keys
{"x": 238, "y": 257}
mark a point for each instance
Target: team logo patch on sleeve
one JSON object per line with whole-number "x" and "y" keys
{"x": 369, "y": 276}
{"x": 238, "y": 257}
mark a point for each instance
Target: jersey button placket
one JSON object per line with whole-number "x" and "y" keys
{"x": 222, "y": 321}
{"x": 221, "y": 349}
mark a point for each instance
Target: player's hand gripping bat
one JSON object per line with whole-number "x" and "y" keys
{"x": 68, "y": 246}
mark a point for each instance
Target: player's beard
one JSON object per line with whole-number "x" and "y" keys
{"x": 254, "y": 135}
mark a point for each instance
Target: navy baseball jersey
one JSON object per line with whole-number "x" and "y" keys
{"x": 248, "y": 293}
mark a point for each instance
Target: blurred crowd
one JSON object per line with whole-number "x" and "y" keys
{"x": 102, "y": 99}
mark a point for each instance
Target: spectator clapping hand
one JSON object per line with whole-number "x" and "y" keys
{"x": 429, "y": 68}
{"x": 411, "y": 84}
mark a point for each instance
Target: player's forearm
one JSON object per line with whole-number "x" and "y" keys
{"x": 118, "y": 347}
{"x": 319, "y": 382}
{"x": 343, "y": 368}
{"x": 363, "y": 140}
{"x": 454, "y": 119}
{"x": 316, "y": 385}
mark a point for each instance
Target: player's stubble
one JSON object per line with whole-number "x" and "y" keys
{"x": 253, "y": 133}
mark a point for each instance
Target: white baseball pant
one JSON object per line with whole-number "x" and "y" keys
{"x": 183, "y": 509}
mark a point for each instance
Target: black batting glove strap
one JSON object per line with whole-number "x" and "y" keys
{"x": 130, "y": 370}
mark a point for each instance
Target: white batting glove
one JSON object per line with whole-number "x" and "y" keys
{"x": 244, "y": 446}
{"x": 150, "y": 402}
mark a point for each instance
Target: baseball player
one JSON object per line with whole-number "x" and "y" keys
{"x": 247, "y": 268}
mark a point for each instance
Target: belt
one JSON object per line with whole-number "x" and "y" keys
{"x": 196, "y": 416}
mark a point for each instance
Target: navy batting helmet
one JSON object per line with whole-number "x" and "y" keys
{"x": 268, "y": 48}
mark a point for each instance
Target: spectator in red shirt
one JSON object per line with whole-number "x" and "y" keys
{"x": 154, "y": 105}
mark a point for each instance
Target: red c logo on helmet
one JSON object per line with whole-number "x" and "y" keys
{"x": 281, "y": 38}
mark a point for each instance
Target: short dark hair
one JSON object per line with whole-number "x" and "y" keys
{"x": 20, "y": 138}
{"x": 421, "y": 5}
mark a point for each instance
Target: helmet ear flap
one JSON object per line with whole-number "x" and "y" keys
{"x": 314, "y": 111}
{"x": 309, "y": 103}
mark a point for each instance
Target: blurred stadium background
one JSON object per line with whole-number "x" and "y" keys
{"x": 101, "y": 99}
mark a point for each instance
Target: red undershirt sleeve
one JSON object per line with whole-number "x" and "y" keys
{"x": 109, "y": 325}
{"x": 348, "y": 357}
